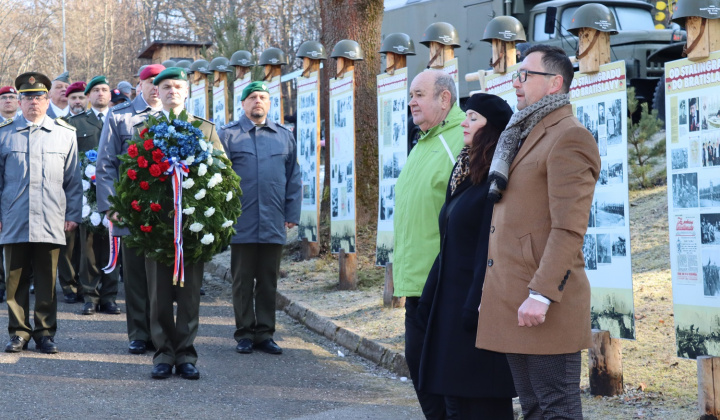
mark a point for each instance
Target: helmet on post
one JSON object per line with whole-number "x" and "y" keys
{"x": 593, "y": 15}
{"x": 220, "y": 64}
{"x": 441, "y": 32}
{"x": 273, "y": 57}
{"x": 504, "y": 28}
{"x": 169, "y": 63}
{"x": 183, "y": 64}
{"x": 398, "y": 43}
{"x": 708, "y": 9}
{"x": 312, "y": 50}
{"x": 200, "y": 66}
{"x": 242, "y": 58}
{"x": 347, "y": 48}
{"x": 141, "y": 69}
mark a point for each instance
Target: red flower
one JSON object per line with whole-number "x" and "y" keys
{"x": 132, "y": 174}
{"x": 163, "y": 178}
{"x": 155, "y": 207}
{"x": 142, "y": 162}
{"x": 148, "y": 145}
{"x": 155, "y": 170}
{"x": 132, "y": 151}
{"x": 92, "y": 178}
{"x": 135, "y": 205}
{"x": 144, "y": 185}
{"x": 158, "y": 155}
{"x": 144, "y": 132}
{"x": 146, "y": 228}
{"x": 164, "y": 166}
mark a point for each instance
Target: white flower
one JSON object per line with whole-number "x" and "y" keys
{"x": 196, "y": 227}
{"x": 106, "y": 222}
{"x": 200, "y": 194}
{"x": 84, "y": 201}
{"x": 202, "y": 169}
{"x": 90, "y": 171}
{"x": 209, "y": 160}
{"x": 207, "y": 239}
{"x": 229, "y": 196}
{"x": 86, "y": 185}
{"x": 189, "y": 210}
{"x": 189, "y": 160}
{"x": 95, "y": 218}
{"x": 209, "y": 212}
{"x": 85, "y": 211}
{"x": 203, "y": 145}
{"x": 227, "y": 224}
{"x": 188, "y": 183}
{"x": 214, "y": 180}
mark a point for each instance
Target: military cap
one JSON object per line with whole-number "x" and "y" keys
{"x": 254, "y": 87}
{"x": 7, "y": 89}
{"x": 75, "y": 87}
{"x": 97, "y": 80}
{"x": 32, "y": 83}
{"x": 140, "y": 70}
{"x": 170, "y": 73}
{"x": 64, "y": 77}
{"x": 151, "y": 71}
{"x": 125, "y": 87}
{"x": 116, "y": 96}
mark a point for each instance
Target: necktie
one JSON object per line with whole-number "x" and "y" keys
{"x": 100, "y": 116}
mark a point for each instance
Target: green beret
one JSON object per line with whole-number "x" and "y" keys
{"x": 97, "y": 80}
{"x": 254, "y": 87}
{"x": 171, "y": 73}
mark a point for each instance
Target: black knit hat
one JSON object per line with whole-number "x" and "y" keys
{"x": 492, "y": 107}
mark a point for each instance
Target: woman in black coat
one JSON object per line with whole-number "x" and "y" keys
{"x": 477, "y": 384}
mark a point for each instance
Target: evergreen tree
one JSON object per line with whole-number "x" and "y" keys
{"x": 642, "y": 154}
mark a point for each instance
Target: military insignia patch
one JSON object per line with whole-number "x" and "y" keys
{"x": 6, "y": 122}
{"x": 61, "y": 122}
{"x": 31, "y": 80}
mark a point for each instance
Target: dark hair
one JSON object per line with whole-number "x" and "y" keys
{"x": 482, "y": 150}
{"x": 554, "y": 60}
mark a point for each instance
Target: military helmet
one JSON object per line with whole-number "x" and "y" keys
{"x": 169, "y": 63}
{"x": 347, "y": 48}
{"x": 504, "y": 28}
{"x": 242, "y": 58}
{"x": 398, "y": 43}
{"x": 709, "y": 9}
{"x": 313, "y": 50}
{"x": 184, "y": 64}
{"x": 593, "y": 15}
{"x": 441, "y": 32}
{"x": 220, "y": 64}
{"x": 273, "y": 57}
{"x": 141, "y": 69}
{"x": 201, "y": 66}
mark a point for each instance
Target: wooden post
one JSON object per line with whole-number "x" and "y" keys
{"x": 344, "y": 65}
{"x": 698, "y": 42}
{"x": 394, "y": 61}
{"x": 390, "y": 301}
{"x": 348, "y": 270}
{"x": 594, "y": 49}
{"x": 270, "y": 71}
{"x": 605, "y": 365}
{"x": 504, "y": 55}
{"x": 309, "y": 66}
{"x": 714, "y": 34}
{"x": 439, "y": 54}
{"x": 219, "y": 77}
{"x": 240, "y": 72}
{"x": 309, "y": 250}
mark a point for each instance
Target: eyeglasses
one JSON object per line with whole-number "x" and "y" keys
{"x": 8, "y": 97}
{"x": 522, "y": 75}
{"x": 34, "y": 98}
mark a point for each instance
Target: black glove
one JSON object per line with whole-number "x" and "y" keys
{"x": 470, "y": 320}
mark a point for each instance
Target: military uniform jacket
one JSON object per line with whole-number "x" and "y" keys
{"x": 40, "y": 185}
{"x": 265, "y": 159}
{"x": 88, "y": 128}
{"x": 536, "y": 238}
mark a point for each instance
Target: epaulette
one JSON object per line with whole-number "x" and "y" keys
{"x": 230, "y": 124}
{"x": 74, "y": 116}
{"x": 6, "y": 122}
{"x": 121, "y": 106}
{"x": 62, "y": 123}
{"x": 202, "y": 119}
{"x": 280, "y": 125}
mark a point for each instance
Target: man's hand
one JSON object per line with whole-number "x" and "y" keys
{"x": 290, "y": 225}
{"x": 70, "y": 226}
{"x": 532, "y": 313}
{"x": 113, "y": 216}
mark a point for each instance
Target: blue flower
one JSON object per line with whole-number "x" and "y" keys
{"x": 91, "y": 155}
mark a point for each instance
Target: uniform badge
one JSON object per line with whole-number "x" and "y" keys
{"x": 31, "y": 80}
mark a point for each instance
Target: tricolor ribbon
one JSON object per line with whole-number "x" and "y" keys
{"x": 114, "y": 250}
{"x": 178, "y": 169}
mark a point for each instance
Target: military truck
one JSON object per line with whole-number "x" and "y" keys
{"x": 635, "y": 43}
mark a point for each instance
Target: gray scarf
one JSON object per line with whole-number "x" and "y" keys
{"x": 517, "y": 130}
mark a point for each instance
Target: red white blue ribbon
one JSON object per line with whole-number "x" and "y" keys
{"x": 114, "y": 250}
{"x": 178, "y": 169}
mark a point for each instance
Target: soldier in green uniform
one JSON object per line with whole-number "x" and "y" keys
{"x": 99, "y": 289}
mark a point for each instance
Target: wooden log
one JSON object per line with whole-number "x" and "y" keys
{"x": 605, "y": 365}
{"x": 504, "y": 55}
{"x": 309, "y": 250}
{"x": 270, "y": 71}
{"x": 348, "y": 270}
{"x": 698, "y": 42}
{"x": 708, "y": 377}
{"x": 344, "y": 65}
{"x": 714, "y": 34}
{"x": 394, "y": 61}
{"x": 439, "y": 54}
{"x": 594, "y": 49}
{"x": 390, "y": 301}
{"x": 240, "y": 72}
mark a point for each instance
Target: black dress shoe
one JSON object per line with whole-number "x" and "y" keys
{"x": 47, "y": 345}
{"x": 161, "y": 371}
{"x": 16, "y": 345}
{"x": 71, "y": 298}
{"x": 245, "y": 346}
{"x": 137, "y": 347}
{"x": 109, "y": 308}
{"x": 269, "y": 346}
{"x": 150, "y": 346}
{"x": 187, "y": 371}
{"x": 88, "y": 308}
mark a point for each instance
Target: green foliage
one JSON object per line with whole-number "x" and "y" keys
{"x": 643, "y": 156}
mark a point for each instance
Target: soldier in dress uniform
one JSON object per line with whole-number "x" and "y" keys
{"x": 77, "y": 100}
{"x": 34, "y": 215}
{"x": 99, "y": 289}
{"x": 58, "y": 101}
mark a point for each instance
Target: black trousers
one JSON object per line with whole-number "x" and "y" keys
{"x": 433, "y": 405}
{"x": 69, "y": 263}
{"x": 97, "y": 286}
{"x": 479, "y": 408}
{"x": 548, "y": 385}
{"x": 137, "y": 299}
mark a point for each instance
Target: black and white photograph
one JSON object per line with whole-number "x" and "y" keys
{"x": 335, "y": 203}
{"x": 710, "y": 229}
{"x": 588, "y": 116}
{"x": 615, "y": 171}
{"x": 609, "y": 209}
{"x": 349, "y": 168}
{"x": 399, "y": 105}
{"x": 601, "y": 113}
{"x": 308, "y": 226}
{"x": 711, "y": 271}
{"x": 589, "y": 252}
{"x": 343, "y": 236}
{"x": 349, "y": 183}
{"x": 399, "y": 159}
{"x": 342, "y": 107}
{"x": 384, "y": 250}
{"x": 685, "y": 190}
{"x": 603, "y": 178}
{"x": 679, "y": 158}
{"x": 591, "y": 219}
{"x": 387, "y": 167}
{"x": 711, "y": 150}
{"x": 612, "y": 310}
{"x": 307, "y": 100}
{"x": 709, "y": 188}
{"x": 398, "y": 132}
{"x": 694, "y": 114}
{"x": 619, "y": 245}
{"x": 682, "y": 119}
{"x": 604, "y": 248}
{"x": 615, "y": 123}
{"x": 387, "y": 202}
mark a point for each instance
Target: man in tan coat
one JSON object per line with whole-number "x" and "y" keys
{"x": 536, "y": 299}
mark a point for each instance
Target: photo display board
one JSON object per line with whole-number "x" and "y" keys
{"x": 275, "y": 113}
{"x": 238, "y": 87}
{"x": 451, "y": 67}
{"x": 501, "y": 84}
{"x": 342, "y": 164}
{"x": 308, "y": 147}
{"x": 198, "y": 98}
{"x": 692, "y": 130}
{"x": 219, "y": 104}
{"x": 392, "y": 152}
{"x": 599, "y": 101}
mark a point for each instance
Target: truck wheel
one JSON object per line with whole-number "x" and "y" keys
{"x": 658, "y": 101}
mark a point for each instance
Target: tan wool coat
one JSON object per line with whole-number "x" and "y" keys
{"x": 536, "y": 239}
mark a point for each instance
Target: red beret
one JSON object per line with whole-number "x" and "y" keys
{"x": 75, "y": 87}
{"x": 7, "y": 89}
{"x": 151, "y": 71}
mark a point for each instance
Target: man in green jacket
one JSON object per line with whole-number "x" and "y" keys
{"x": 419, "y": 196}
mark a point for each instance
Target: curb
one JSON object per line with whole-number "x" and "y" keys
{"x": 369, "y": 349}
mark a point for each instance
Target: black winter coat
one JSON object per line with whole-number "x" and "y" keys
{"x": 450, "y": 364}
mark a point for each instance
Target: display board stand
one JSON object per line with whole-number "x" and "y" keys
{"x": 439, "y": 55}
{"x": 242, "y": 79}
{"x": 311, "y": 249}
{"x": 199, "y": 87}
{"x": 220, "y": 80}
{"x": 271, "y": 74}
{"x": 504, "y": 55}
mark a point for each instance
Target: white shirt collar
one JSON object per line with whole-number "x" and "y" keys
{"x": 60, "y": 112}
{"x": 96, "y": 112}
